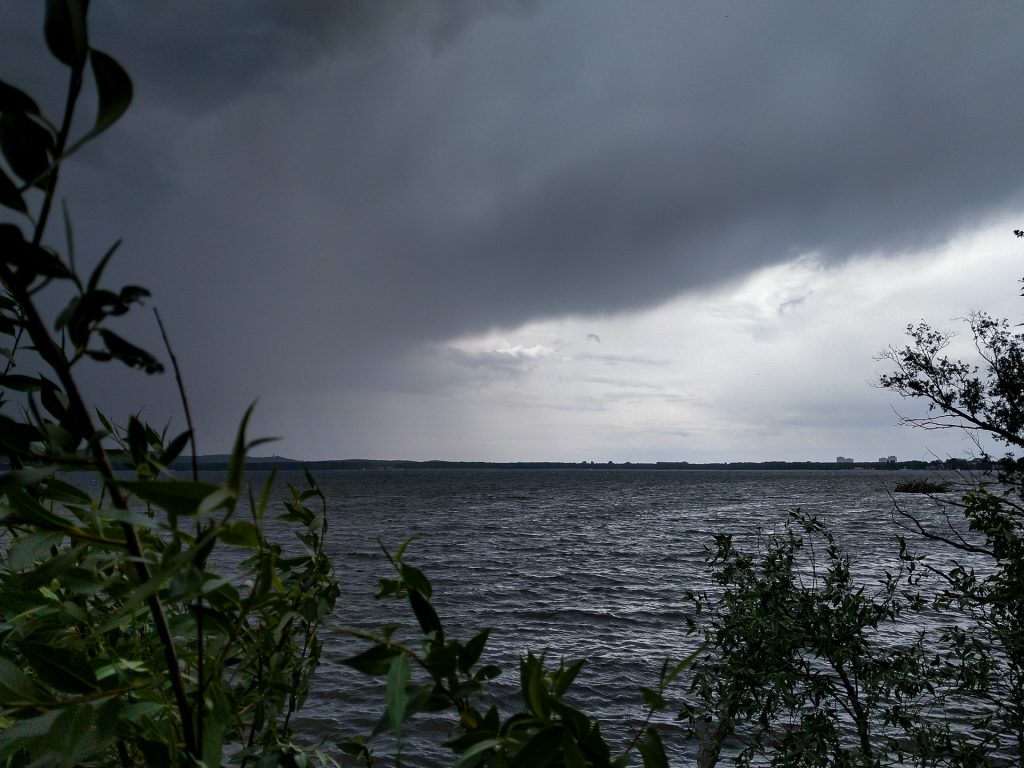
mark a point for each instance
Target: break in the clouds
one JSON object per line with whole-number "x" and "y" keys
{"x": 334, "y": 201}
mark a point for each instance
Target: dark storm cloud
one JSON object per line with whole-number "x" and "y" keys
{"x": 315, "y": 188}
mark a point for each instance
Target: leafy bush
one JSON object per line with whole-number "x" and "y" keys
{"x": 445, "y": 675}
{"x": 810, "y": 666}
{"x": 119, "y": 642}
{"x": 923, "y": 485}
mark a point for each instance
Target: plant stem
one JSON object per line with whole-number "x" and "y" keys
{"x": 49, "y": 351}
{"x": 860, "y": 717}
{"x": 201, "y": 563}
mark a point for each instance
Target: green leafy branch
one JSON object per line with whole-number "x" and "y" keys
{"x": 546, "y": 731}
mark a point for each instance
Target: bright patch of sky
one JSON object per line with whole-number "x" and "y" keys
{"x": 779, "y": 365}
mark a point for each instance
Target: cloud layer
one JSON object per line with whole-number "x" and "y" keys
{"x": 320, "y": 192}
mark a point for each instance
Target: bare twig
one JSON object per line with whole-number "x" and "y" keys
{"x": 181, "y": 392}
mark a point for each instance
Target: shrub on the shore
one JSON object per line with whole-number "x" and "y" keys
{"x": 120, "y": 642}
{"x": 809, "y": 666}
{"x": 923, "y": 485}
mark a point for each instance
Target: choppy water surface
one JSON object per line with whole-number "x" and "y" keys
{"x": 577, "y": 563}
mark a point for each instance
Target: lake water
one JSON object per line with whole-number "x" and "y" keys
{"x": 575, "y": 563}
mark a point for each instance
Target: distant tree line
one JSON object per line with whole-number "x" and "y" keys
{"x": 221, "y": 464}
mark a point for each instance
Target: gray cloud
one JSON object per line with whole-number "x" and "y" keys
{"x": 314, "y": 190}
{"x": 500, "y": 362}
{"x": 790, "y": 305}
{"x": 613, "y": 359}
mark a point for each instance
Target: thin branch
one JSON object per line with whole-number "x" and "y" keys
{"x": 961, "y": 545}
{"x": 200, "y": 633}
{"x": 122, "y": 753}
{"x": 49, "y": 351}
{"x": 181, "y": 393}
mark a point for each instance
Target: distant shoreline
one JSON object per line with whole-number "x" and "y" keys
{"x": 214, "y": 463}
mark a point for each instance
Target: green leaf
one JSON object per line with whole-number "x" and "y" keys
{"x": 15, "y": 685}
{"x": 177, "y": 497}
{"x": 422, "y": 698}
{"x": 53, "y": 489}
{"x": 113, "y": 91}
{"x": 120, "y": 665}
{"x": 488, "y": 672}
{"x": 140, "y": 711}
{"x": 27, "y": 146}
{"x": 16, "y": 100}
{"x": 387, "y": 588}
{"x": 9, "y": 327}
{"x": 26, "y": 509}
{"x": 541, "y": 750}
{"x": 572, "y": 755}
{"x": 398, "y": 679}
{"x": 128, "y": 353}
{"x": 222, "y": 498}
{"x": 65, "y": 30}
{"x": 63, "y": 669}
{"x": 565, "y": 678}
{"x": 236, "y": 464}
{"x": 414, "y": 578}
{"x": 531, "y": 671}
{"x": 31, "y": 547}
{"x": 426, "y": 615}
{"x": 578, "y": 723}
{"x": 217, "y": 717}
{"x": 9, "y": 194}
{"x": 174, "y": 449}
{"x": 401, "y": 549}
{"x": 97, "y": 273}
{"x": 24, "y": 478}
{"x": 259, "y": 509}
{"x": 598, "y": 749}
{"x": 136, "y": 439}
{"x": 81, "y": 581}
{"x": 14, "y": 737}
{"x": 240, "y": 534}
{"x": 479, "y": 747}
{"x": 374, "y": 661}
{"x": 652, "y": 750}
{"x": 16, "y": 436}
{"x": 653, "y": 699}
{"x": 74, "y": 736}
{"x": 30, "y": 260}
{"x": 171, "y": 567}
{"x": 56, "y": 403}
{"x": 215, "y": 621}
{"x": 357, "y": 748}
{"x": 668, "y": 676}
{"x": 20, "y": 382}
{"x": 471, "y": 653}
{"x": 139, "y": 520}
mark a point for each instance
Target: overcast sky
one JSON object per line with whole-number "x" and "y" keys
{"x": 561, "y": 230}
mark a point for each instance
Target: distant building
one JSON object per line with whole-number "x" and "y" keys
{"x": 844, "y": 460}
{"x": 891, "y": 460}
